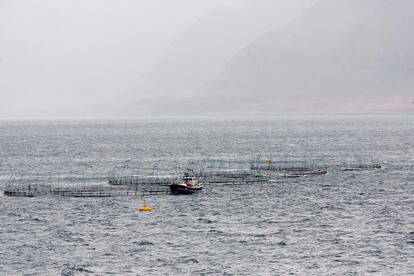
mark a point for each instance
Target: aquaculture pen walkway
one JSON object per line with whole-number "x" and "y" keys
{"x": 157, "y": 181}
{"x": 101, "y": 191}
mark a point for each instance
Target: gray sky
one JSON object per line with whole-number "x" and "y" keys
{"x": 61, "y": 53}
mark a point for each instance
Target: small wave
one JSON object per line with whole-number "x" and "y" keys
{"x": 143, "y": 243}
{"x": 186, "y": 260}
{"x": 215, "y": 231}
{"x": 208, "y": 221}
{"x": 73, "y": 270}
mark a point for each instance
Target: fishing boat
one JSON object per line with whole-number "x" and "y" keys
{"x": 190, "y": 184}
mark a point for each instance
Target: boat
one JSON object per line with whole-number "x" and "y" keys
{"x": 190, "y": 184}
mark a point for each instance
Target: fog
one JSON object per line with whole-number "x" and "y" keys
{"x": 84, "y": 58}
{"x": 71, "y": 53}
{"x": 340, "y": 56}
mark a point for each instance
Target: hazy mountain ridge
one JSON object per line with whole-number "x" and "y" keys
{"x": 339, "y": 53}
{"x": 200, "y": 53}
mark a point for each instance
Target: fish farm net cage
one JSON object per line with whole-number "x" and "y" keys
{"x": 156, "y": 179}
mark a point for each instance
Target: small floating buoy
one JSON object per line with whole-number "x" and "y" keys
{"x": 145, "y": 208}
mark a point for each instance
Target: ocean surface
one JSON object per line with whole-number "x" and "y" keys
{"x": 342, "y": 223}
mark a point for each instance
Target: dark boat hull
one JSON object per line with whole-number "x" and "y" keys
{"x": 183, "y": 190}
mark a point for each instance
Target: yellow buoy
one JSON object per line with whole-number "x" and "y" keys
{"x": 269, "y": 160}
{"x": 145, "y": 208}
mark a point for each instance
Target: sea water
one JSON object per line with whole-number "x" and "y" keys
{"x": 342, "y": 223}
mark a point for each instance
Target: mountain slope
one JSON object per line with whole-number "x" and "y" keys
{"x": 340, "y": 53}
{"x": 203, "y": 50}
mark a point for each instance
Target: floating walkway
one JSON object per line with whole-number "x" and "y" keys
{"x": 157, "y": 182}
{"x": 96, "y": 192}
{"x": 141, "y": 180}
{"x": 234, "y": 177}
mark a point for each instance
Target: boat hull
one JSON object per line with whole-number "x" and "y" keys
{"x": 184, "y": 190}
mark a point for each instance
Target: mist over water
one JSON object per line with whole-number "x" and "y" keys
{"x": 343, "y": 223}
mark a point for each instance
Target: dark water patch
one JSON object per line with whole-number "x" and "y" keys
{"x": 188, "y": 260}
{"x": 259, "y": 235}
{"x": 373, "y": 252}
{"x": 348, "y": 262}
